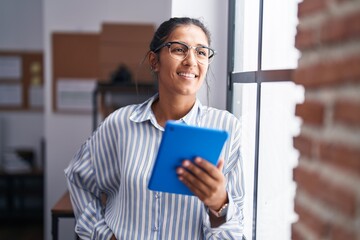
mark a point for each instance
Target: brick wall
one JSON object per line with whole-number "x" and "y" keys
{"x": 328, "y": 175}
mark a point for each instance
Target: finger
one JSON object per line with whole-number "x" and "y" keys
{"x": 209, "y": 195}
{"x": 201, "y": 179}
{"x": 193, "y": 186}
{"x": 192, "y": 182}
{"x": 213, "y": 171}
{"x": 220, "y": 165}
{"x": 198, "y": 172}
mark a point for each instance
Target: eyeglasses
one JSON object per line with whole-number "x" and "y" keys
{"x": 178, "y": 50}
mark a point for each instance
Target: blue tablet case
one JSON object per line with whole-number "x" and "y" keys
{"x": 179, "y": 142}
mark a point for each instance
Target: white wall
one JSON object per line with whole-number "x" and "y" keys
{"x": 214, "y": 14}
{"x": 21, "y": 25}
{"x": 65, "y": 133}
{"x": 21, "y": 29}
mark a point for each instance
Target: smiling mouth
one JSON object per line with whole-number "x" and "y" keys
{"x": 187, "y": 75}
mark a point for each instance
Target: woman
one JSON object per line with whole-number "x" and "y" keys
{"x": 118, "y": 158}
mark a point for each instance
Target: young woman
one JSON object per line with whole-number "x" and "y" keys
{"x": 117, "y": 159}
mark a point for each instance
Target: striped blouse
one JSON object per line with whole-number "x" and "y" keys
{"x": 117, "y": 160}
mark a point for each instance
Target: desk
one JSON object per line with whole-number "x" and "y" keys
{"x": 62, "y": 209}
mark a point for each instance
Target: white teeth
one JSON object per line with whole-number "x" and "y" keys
{"x": 189, "y": 75}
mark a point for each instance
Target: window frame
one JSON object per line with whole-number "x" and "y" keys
{"x": 259, "y": 76}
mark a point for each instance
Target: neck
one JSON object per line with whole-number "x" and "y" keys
{"x": 171, "y": 109}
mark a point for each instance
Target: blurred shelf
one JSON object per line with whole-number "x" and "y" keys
{"x": 21, "y": 195}
{"x": 108, "y": 97}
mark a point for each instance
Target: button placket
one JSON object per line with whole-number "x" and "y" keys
{"x": 157, "y": 197}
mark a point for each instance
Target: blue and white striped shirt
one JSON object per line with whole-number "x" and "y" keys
{"x": 117, "y": 160}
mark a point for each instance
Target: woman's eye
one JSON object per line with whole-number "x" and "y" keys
{"x": 179, "y": 50}
{"x": 202, "y": 52}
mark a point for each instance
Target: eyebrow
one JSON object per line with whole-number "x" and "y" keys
{"x": 198, "y": 45}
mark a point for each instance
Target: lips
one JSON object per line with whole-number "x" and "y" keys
{"x": 187, "y": 75}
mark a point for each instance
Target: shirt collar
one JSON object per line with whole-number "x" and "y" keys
{"x": 143, "y": 112}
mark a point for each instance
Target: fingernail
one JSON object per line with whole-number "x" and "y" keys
{"x": 186, "y": 163}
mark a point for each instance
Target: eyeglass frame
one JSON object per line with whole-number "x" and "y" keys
{"x": 168, "y": 44}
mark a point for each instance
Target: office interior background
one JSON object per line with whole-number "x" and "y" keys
{"x": 325, "y": 161}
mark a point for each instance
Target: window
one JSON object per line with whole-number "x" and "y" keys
{"x": 260, "y": 93}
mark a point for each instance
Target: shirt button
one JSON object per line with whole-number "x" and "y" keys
{"x": 157, "y": 195}
{"x": 155, "y": 229}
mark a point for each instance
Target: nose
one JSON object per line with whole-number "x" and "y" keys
{"x": 191, "y": 57}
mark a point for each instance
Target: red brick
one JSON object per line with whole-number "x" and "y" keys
{"x": 304, "y": 145}
{"x": 318, "y": 226}
{"x": 335, "y": 32}
{"x": 347, "y": 112}
{"x": 311, "y": 112}
{"x": 333, "y": 195}
{"x": 330, "y": 72}
{"x": 341, "y": 29}
{"x": 295, "y": 233}
{"x": 341, "y": 156}
{"x": 306, "y": 38}
{"x": 308, "y": 7}
{"x": 339, "y": 233}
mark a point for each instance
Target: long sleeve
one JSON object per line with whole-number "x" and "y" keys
{"x": 85, "y": 197}
{"x": 233, "y": 227}
{"x": 92, "y": 172}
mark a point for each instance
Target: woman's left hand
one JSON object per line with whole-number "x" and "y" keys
{"x": 205, "y": 180}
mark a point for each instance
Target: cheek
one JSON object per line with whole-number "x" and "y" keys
{"x": 166, "y": 76}
{"x": 167, "y": 64}
{"x": 203, "y": 72}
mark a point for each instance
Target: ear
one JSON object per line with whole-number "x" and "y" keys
{"x": 153, "y": 61}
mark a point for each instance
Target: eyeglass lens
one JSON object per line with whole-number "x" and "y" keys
{"x": 180, "y": 51}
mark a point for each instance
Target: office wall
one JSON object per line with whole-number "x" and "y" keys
{"x": 21, "y": 25}
{"x": 65, "y": 133}
{"x": 21, "y": 29}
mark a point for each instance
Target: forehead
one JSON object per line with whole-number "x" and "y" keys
{"x": 189, "y": 34}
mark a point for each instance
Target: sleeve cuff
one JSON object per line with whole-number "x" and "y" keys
{"x": 229, "y": 214}
{"x": 101, "y": 231}
{"x": 231, "y": 209}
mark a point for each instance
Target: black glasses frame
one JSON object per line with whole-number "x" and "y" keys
{"x": 168, "y": 44}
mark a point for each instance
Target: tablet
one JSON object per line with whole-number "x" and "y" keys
{"x": 179, "y": 142}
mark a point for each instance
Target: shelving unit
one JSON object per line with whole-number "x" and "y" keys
{"x": 108, "y": 97}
